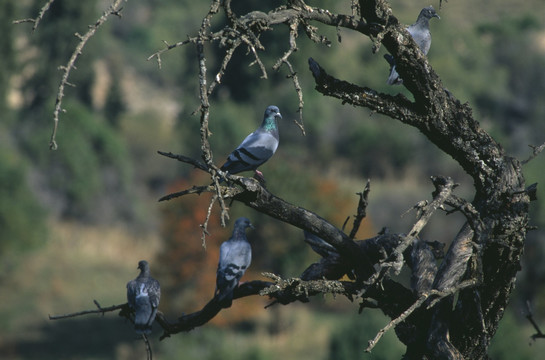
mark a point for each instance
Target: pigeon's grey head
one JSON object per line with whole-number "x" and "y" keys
{"x": 143, "y": 265}
{"x": 243, "y": 223}
{"x": 428, "y": 13}
{"x": 273, "y": 111}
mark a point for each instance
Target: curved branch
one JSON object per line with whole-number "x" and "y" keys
{"x": 37, "y": 19}
{"x": 114, "y": 9}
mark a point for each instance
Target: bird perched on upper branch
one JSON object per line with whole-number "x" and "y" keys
{"x": 420, "y": 32}
{"x": 257, "y": 147}
{"x": 143, "y": 295}
{"x": 235, "y": 257}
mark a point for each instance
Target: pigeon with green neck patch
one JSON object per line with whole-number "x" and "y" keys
{"x": 258, "y": 147}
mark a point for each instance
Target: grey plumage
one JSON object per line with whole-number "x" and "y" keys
{"x": 420, "y": 32}
{"x": 143, "y": 295}
{"x": 257, "y": 147}
{"x": 235, "y": 257}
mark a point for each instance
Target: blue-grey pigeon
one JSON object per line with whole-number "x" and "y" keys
{"x": 235, "y": 257}
{"x": 257, "y": 147}
{"x": 143, "y": 294}
{"x": 420, "y": 32}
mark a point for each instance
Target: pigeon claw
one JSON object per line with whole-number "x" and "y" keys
{"x": 258, "y": 175}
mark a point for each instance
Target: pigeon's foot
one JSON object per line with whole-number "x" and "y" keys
{"x": 258, "y": 175}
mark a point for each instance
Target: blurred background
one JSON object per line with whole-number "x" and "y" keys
{"x": 75, "y": 222}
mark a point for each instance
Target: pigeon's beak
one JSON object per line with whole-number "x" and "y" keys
{"x": 278, "y": 115}
{"x": 437, "y": 16}
{"x": 250, "y": 224}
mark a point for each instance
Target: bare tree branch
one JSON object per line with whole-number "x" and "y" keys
{"x": 536, "y": 150}
{"x": 114, "y": 9}
{"x": 37, "y": 19}
{"x": 362, "y": 207}
{"x": 99, "y": 310}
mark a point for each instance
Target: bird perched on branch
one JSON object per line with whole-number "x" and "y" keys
{"x": 143, "y": 295}
{"x": 257, "y": 147}
{"x": 235, "y": 257}
{"x": 420, "y": 32}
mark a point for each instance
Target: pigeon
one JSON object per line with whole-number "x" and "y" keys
{"x": 420, "y": 31}
{"x": 143, "y": 294}
{"x": 235, "y": 257}
{"x": 257, "y": 147}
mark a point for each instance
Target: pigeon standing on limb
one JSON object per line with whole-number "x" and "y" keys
{"x": 235, "y": 257}
{"x": 143, "y": 294}
{"x": 420, "y": 32}
{"x": 257, "y": 147}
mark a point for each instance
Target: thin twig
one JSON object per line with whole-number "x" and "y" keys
{"x": 114, "y": 9}
{"x": 99, "y": 310}
{"x": 362, "y": 206}
{"x": 204, "y": 225}
{"x": 193, "y": 190}
{"x": 530, "y": 316}
{"x": 444, "y": 187}
{"x": 185, "y": 159}
{"x": 39, "y": 18}
{"x": 148, "y": 346}
{"x": 536, "y": 150}
{"x": 226, "y": 59}
{"x": 438, "y": 295}
{"x": 206, "y": 151}
{"x": 294, "y": 25}
{"x": 396, "y": 321}
{"x": 167, "y": 48}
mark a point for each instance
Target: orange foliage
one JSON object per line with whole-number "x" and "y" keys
{"x": 189, "y": 270}
{"x": 341, "y": 205}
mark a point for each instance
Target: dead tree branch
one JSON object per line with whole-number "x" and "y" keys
{"x": 114, "y": 9}
{"x": 37, "y": 19}
{"x": 99, "y": 310}
{"x": 530, "y": 316}
{"x": 362, "y": 207}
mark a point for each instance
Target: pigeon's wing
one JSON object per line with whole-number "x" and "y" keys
{"x": 256, "y": 148}
{"x": 236, "y": 255}
{"x": 393, "y": 78}
{"x": 154, "y": 291}
{"x": 131, "y": 293}
{"x": 422, "y": 36}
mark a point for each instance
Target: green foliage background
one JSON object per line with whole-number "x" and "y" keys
{"x": 74, "y": 222}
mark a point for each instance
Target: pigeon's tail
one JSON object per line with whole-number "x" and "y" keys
{"x": 142, "y": 329}
{"x": 394, "y": 78}
{"x": 143, "y": 321}
{"x": 143, "y": 318}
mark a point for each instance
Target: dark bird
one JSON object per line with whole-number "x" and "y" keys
{"x": 420, "y": 32}
{"x": 258, "y": 147}
{"x": 143, "y": 294}
{"x": 319, "y": 245}
{"x": 235, "y": 257}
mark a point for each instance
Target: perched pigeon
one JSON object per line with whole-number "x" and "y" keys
{"x": 143, "y": 294}
{"x": 420, "y": 31}
{"x": 258, "y": 147}
{"x": 235, "y": 257}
